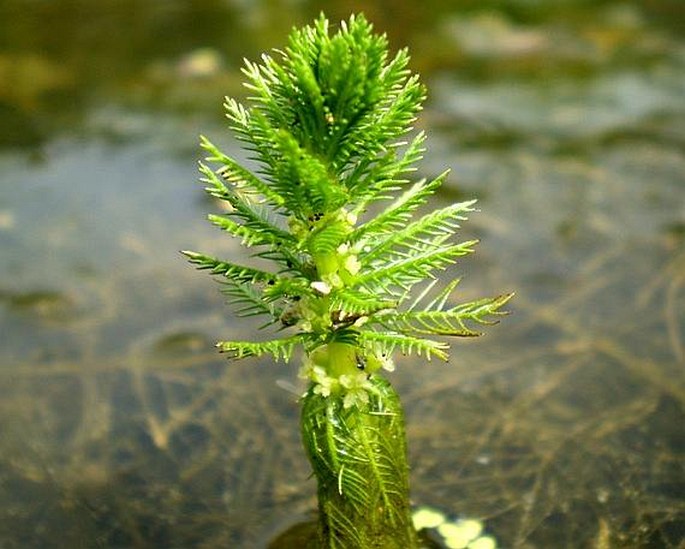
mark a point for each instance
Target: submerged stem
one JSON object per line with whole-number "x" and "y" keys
{"x": 359, "y": 456}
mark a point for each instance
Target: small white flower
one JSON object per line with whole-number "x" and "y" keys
{"x": 358, "y": 387}
{"x": 319, "y": 375}
{"x": 334, "y": 280}
{"x": 305, "y": 326}
{"x": 387, "y": 363}
{"x": 322, "y": 287}
{"x": 323, "y": 389}
{"x": 352, "y": 264}
{"x": 324, "y": 384}
{"x": 355, "y": 381}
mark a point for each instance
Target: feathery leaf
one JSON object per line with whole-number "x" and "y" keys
{"x": 279, "y": 349}
{"x": 428, "y": 232}
{"x": 451, "y": 322}
{"x": 386, "y": 343}
{"x": 407, "y": 268}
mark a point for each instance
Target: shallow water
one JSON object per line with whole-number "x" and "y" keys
{"x": 121, "y": 427}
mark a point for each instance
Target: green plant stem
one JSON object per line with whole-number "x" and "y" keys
{"x": 359, "y": 457}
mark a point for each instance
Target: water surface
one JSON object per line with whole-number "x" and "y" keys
{"x": 121, "y": 427}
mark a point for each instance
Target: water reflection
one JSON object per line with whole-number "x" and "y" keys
{"x": 122, "y": 428}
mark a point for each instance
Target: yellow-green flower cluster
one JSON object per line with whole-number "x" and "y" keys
{"x": 338, "y": 368}
{"x": 356, "y": 386}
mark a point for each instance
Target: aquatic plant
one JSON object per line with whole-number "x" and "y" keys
{"x": 331, "y": 211}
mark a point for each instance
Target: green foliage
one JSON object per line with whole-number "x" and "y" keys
{"x": 330, "y": 210}
{"x": 325, "y": 121}
{"x": 359, "y": 457}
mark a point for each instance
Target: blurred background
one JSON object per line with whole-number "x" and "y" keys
{"x": 121, "y": 427}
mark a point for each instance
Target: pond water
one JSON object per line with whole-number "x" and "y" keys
{"x": 121, "y": 427}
